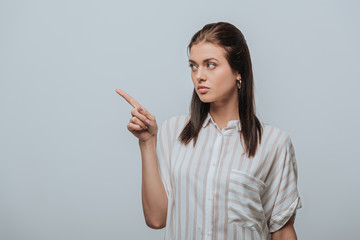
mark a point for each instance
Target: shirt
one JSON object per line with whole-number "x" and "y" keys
{"x": 216, "y": 192}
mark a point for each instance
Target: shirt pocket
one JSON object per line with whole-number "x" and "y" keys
{"x": 244, "y": 201}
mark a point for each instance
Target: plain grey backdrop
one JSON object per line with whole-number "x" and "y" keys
{"x": 70, "y": 169}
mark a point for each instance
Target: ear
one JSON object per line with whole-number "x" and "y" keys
{"x": 238, "y": 76}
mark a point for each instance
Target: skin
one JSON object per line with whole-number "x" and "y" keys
{"x": 138, "y": 124}
{"x": 154, "y": 200}
{"x": 210, "y": 68}
{"x": 287, "y": 232}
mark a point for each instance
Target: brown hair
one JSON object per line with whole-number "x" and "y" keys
{"x": 237, "y": 54}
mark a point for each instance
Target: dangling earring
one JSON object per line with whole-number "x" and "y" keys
{"x": 239, "y": 84}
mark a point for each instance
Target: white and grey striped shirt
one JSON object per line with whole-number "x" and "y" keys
{"x": 216, "y": 192}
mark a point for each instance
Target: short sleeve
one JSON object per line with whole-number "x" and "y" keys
{"x": 163, "y": 150}
{"x": 286, "y": 197}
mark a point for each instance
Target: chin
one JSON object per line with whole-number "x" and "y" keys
{"x": 205, "y": 99}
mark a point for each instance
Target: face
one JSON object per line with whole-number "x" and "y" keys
{"x": 210, "y": 68}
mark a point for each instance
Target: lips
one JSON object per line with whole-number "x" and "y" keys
{"x": 202, "y": 87}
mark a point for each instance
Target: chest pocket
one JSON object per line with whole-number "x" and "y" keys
{"x": 244, "y": 202}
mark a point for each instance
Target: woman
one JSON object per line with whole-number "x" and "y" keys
{"x": 217, "y": 173}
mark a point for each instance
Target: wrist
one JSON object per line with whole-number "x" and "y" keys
{"x": 149, "y": 142}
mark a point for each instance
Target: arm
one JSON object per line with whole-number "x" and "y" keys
{"x": 287, "y": 232}
{"x": 287, "y": 200}
{"x": 154, "y": 197}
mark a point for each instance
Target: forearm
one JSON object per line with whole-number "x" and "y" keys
{"x": 154, "y": 197}
{"x": 285, "y": 235}
{"x": 287, "y": 232}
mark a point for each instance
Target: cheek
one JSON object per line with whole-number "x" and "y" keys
{"x": 223, "y": 79}
{"x": 226, "y": 82}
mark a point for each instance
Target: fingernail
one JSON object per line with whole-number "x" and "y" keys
{"x": 147, "y": 121}
{"x": 141, "y": 109}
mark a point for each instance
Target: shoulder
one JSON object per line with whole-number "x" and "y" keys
{"x": 277, "y": 146}
{"x": 275, "y": 137}
{"x": 176, "y": 120}
{"x": 175, "y": 123}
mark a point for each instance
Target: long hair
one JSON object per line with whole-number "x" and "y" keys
{"x": 237, "y": 54}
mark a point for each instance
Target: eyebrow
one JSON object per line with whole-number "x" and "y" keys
{"x": 206, "y": 60}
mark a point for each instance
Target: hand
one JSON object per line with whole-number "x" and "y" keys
{"x": 143, "y": 124}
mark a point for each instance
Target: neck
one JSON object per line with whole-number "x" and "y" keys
{"x": 222, "y": 113}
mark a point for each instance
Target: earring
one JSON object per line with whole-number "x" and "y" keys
{"x": 239, "y": 84}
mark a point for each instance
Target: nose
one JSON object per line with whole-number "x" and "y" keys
{"x": 200, "y": 74}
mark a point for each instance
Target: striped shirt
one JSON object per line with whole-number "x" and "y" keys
{"x": 216, "y": 192}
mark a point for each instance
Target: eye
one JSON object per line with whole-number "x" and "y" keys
{"x": 211, "y": 65}
{"x": 192, "y": 66}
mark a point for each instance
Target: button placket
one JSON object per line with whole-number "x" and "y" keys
{"x": 217, "y": 148}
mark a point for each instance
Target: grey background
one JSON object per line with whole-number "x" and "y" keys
{"x": 70, "y": 169}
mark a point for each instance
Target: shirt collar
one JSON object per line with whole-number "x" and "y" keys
{"x": 231, "y": 123}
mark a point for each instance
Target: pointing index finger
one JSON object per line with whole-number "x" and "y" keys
{"x": 128, "y": 98}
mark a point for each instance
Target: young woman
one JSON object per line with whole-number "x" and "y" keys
{"x": 218, "y": 172}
